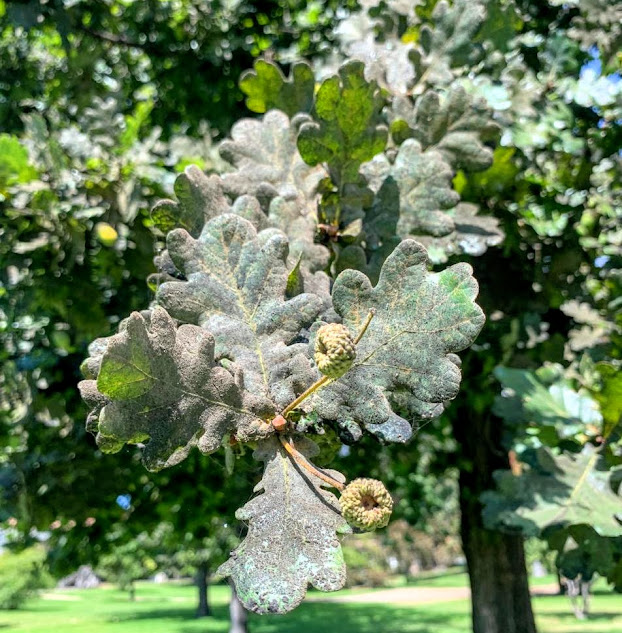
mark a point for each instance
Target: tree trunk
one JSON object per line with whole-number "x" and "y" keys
{"x": 203, "y": 609}
{"x": 496, "y": 562}
{"x": 238, "y": 614}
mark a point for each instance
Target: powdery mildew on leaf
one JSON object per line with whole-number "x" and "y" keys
{"x": 424, "y": 182}
{"x": 456, "y": 124}
{"x": 449, "y": 43}
{"x": 407, "y": 355}
{"x": 266, "y": 158}
{"x": 429, "y": 207}
{"x": 236, "y": 289}
{"x": 165, "y": 390}
{"x": 292, "y": 540}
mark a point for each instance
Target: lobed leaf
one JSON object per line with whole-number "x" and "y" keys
{"x": 407, "y": 357}
{"x": 266, "y": 87}
{"x": 267, "y": 161}
{"x": 236, "y": 289}
{"x": 160, "y": 385}
{"x": 456, "y": 124}
{"x": 292, "y": 538}
{"x": 557, "y": 492}
{"x": 449, "y": 43}
{"x": 424, "y": 182}
{"x": 346, "y": 130}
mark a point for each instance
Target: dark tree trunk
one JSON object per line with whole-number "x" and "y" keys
{"x": 203, "y": 609}
{"x": 238, "y": 614}
{"x": 496, "y": 562}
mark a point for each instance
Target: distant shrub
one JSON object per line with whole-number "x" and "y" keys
{"x": 366, "y": 561}
{"x": 21, "y": 575}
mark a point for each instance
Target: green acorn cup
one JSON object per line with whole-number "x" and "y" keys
{"x": 366, "y": 504}
{"x": 335, "y": 350}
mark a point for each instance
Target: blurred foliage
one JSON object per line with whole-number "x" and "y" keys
{"x": 187, "y": 55}
{"x": 21, "y": 575}
{"x": 100, "y": 105}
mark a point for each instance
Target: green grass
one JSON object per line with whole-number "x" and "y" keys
{"x": 170, "y": 609}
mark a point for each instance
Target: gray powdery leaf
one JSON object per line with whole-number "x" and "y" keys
{"x": 292, "y": 539}
{"x": 160, "y": 385}
{"x": 424, "y": 180}
{"x": 456, "y": 124}
{"x": 202, "y": 198}
{"x": 236, "y": 289}
{"x": 430, "y": 211}
{"x": 266, "y": 159}
{"x": 473, "y": 234}
{"x": 407, "y": 356}
{"x": 450, "y": 42}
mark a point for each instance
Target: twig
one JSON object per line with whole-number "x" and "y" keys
{"x": 301, "y": 460}
{"x": 325, "y": 379}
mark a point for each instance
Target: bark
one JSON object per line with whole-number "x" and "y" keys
{"x": 496, "y": 562}
{"x": 238, "y": 614}
{"x": 203, "y": 610}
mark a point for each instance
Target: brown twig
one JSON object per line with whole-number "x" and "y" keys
{"x": 302, "y": 461}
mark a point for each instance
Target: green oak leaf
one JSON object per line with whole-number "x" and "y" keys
{"x": 266, "y": 87}
{"x": 528, "y": 399}
{"x": 581, "y": 550}
{"x": 346, "y": 130}
{"x": 236, "y": 288}
{"x": 556, "y": 492}
{"x": 609, "y": 396}
{"x": 266, "y": 159}
{"x": 159, "y": 385}
{"x": 456, "y": 124}
{"x": 292, "y": 539}
{"x": 407, "y": 356}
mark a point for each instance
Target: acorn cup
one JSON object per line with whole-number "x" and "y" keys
{"x": 335, "y": 350}
{"x": 366, "y": 504}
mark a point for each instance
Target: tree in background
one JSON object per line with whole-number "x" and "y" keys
{"x": 548, "y": 70}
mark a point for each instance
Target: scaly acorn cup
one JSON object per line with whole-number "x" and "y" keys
{"x": 335, "y": 350}
{"x": 366, "y": 504}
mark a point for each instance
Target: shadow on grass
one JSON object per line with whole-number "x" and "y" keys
{"x": 568, "y": 615}
{"x": 318, "y": 618}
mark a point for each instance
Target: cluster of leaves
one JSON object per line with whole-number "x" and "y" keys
{"x": 547, "y": 69}
{"x": 566, "y": 485}
{"x": 228, "y": 345}
{"x": 552, "y": 77}
{"x": 187, "y": 54}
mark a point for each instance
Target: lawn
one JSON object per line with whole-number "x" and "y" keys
{"x": 170, "y": 609}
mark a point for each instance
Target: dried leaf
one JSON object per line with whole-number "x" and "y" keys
{"x": 292, "y": 539}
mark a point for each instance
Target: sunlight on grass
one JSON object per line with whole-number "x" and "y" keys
{"x": 170, "y": 609}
